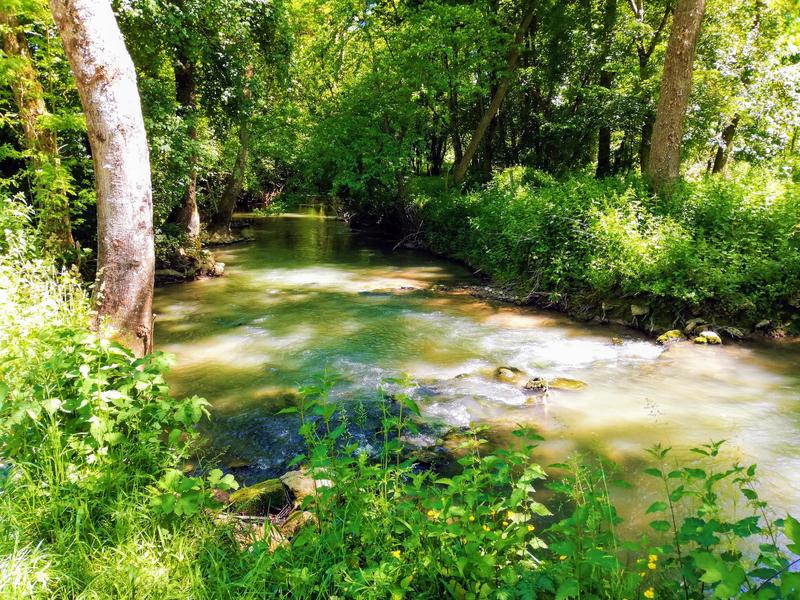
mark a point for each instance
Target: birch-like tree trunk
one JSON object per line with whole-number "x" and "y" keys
{"x": 50, "y": 180}
{"x": 106, "y": 81}
{"x": 663, "y": 168}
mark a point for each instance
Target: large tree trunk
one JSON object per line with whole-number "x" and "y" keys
{"x": 724, "y": 149}
{"x": 106, "y": 81}
{"x": 663, "y": 168}
{"x": 221, "y": 223}
{"x": 50, "y": 181}
{"x": 497, "y": 98}
{"x": 187, "y": 215}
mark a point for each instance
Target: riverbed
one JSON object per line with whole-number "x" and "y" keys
{"x": 308, "y": 295}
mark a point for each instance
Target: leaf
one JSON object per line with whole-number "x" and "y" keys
{"x": 792, "y": 529}
{"x": 567, "y": 589}
{"x": 653, "y": 472}
{"x": 656, "y": 507}
{"x": 52, "y": 405}
{"x": 660, "y": 525}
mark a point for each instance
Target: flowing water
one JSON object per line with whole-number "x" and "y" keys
{"x": 309, "y": 294}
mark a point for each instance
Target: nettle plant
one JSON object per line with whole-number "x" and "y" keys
{"x": 719, "y": 538}
{"x": 86, "y": 419}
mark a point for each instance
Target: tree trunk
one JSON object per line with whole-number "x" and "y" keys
{"x": 604, "y": 137}
{"x": 106, "y": 82}
{"x": 50, "y": 179}
{"x": 187, "y": 215}
{"x": 663, "y": 168}
{"x": 221, "y": 223}
{"x": 724, "y": 149}
{"x": 497, "y": 98}
{"x": 644, "y": 141}
{"x": 604, "y": 132}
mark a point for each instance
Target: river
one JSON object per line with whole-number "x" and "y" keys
{"x": 309, "y": 294}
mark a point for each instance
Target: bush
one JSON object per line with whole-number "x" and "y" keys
{"x": 726, "y": 248}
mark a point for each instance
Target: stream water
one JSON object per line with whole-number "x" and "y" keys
{"x": 309, "y": 294}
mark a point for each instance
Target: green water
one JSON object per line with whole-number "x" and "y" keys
{"x": 308, "y": 294}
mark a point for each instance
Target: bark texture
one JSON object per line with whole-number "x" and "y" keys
{"x": 724, "y": 149}
{"x": 663, "y": 167}
{"x": 187, "y": 214}
{"x": 106, "y": 82}
{"x": 497, "y": 97}
{"x": 221, "y": 223}
{"x": 49, "y": 178}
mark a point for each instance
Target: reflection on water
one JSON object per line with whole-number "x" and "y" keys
{"x": 309, "y": 294}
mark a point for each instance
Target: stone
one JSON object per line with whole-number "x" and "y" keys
{"x": 763, "y": 324}
{"x": 638, "y": 310}
{"x": 507, "y": 374}
{"x": 265, "y": 494}
{"x": 693, "y": 324}
{"x": 733, "y": 332}
{"x": 295, "y": 521}
{"x": 708, "y": 337}
{"x": 169, "y": 274}
{"x": 218, "y": 270}
{"x": 537, "y": 385}
{"x": 615, "y": 341}
{"x": 673, "y": 335}
{"x": 300, "y": 484}
{"x": 562, "y": 383}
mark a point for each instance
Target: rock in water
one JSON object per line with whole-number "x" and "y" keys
{"x": 562, "y": 383}
{"x": 708, "y": 337}
{"x": 507, "y": 374}
{"x": 670, "y": 336}
{"x": 693, "y": 324}
{"x": 537, "y": 385}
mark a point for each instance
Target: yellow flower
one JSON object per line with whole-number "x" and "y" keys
{"x": 653, "y": 557}
{"x": 433, "y": 514}
{"x": 649, "y": 593}
{"x": 486, "y": 528}
{"x": 396, "y": 553}
{"x": 651, "y": 566}
{"x": 505, "y": 523}
{"x": 510, "y": 515}
{"x": 531, "y": 527}
{"x": 642, "y": 574}
{"x": 562, "y": 557}
{"x": 471, "y": 518}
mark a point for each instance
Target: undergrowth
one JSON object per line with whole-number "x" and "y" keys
{"x": 722, "y": 248}
{"x": 94, "y": 504}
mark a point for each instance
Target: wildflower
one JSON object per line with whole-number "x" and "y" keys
{"x": 531, "y": 527}
{"x": 396, "y": 553}
{"x": 642, "y": 574}
{"x": 505, "y": 523}
{"x": 649, "y": 593}
{"x": 471, "y": 518}
{"x": 562, "y": 557}
{"x": 651, "y": 566}
{"x": 486, "y": 528}
{"x": 510, "y": 515}
{"x": 433, "y": 514}
{"x": 653, "y": 558}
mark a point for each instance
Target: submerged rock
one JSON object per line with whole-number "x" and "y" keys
{"x": 507, "y": 374}
{"x": 673, "y": 335}
{"x": 708, "y": 337}
{"x": 562, "y": 383}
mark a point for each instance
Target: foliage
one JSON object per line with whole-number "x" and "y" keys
{"x": 725, "y": 248}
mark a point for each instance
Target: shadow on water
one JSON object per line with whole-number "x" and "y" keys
{"x": 309, "y": 294}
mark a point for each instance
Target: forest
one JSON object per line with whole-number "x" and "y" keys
{"x": 400, "y": 299}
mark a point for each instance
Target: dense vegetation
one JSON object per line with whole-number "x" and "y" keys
{"x": 590, "y": 154}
